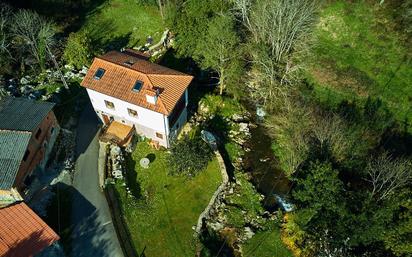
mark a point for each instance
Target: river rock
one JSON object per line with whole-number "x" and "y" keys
{"x": 248, "y": 233}
{"x": 244, "y": 127}
{"x": 25, "y": 80}
{"x": 216, "y": 226}
{"x": 26, "y": 89}
{"x": 240, "y": 118}
{"x": 84, "y": 70}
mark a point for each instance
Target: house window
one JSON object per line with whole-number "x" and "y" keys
{"x": 137, "y": 86}
{"x": 109, "y": 105}
{"x": 38, "y": 133}
{"x": 159, "y": 135}
{"x": 26, "y": 155}
{"x": 99, "y": 74}
{"x": 132, "y": 113}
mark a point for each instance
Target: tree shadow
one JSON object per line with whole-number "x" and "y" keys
{"x": 71, "y": 14}
{"x": 28, "y": 246}
{"x": 76, "y": 220}
{"x": 116, "y": 43}
{"x": 88, "y": 125}
{"x": 151, "y": 157}
{"x": 397, "y": 140}
{"x": 220, "y": 128}
{"x": 200, "y": 85}
{"x": 230, "y": 169}
{"x": 100, "y": 40}
{"x": 131, "y": 177}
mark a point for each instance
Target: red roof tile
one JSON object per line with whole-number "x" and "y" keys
{"x": 123, "y": 69}
{"x": 22, "y": 232}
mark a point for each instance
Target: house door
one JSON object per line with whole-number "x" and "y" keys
{"x": 106, "y": 119}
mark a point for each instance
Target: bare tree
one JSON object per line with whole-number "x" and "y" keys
{"x": 280, "y": 31}
{"x": 5, "y": 16}
{"x": 387, "y": 174}
{"x": 290, "y": 126}
{"x": 35, "y": 33}
{"x": 242, "y": 9}
{"x": 330, "y": 131}
{"x": 281, "y": 24}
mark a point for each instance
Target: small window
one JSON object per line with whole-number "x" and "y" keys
{"x": 99, "y": 74}
{"x": 132, "y": 113}
{"x": 109, "y": 105}
{"x": 137, "y": 86}
{"x": 38, "y": 133}
{"x": 129, "y": 63}
{"x": 159, "y": 135}
{"x": 26, "y": 155}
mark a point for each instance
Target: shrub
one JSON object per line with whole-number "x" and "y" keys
{"x": 189, "y": 156}
{"x": 78, "y": 51}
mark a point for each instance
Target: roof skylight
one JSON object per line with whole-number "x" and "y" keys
{"x": 138, "y": 86}
{"x": 99, "y": 74}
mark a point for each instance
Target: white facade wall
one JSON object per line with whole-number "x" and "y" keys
{"x": 147, "y": 122}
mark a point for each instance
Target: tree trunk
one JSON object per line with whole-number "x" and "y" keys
{"x": 221, "y": 81}
{"x": 159, "y": 2}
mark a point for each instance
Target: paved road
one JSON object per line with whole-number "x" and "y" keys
{"x": 94, "y": 233}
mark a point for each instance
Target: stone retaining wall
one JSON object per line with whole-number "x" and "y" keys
{"x": 225, "y": 179}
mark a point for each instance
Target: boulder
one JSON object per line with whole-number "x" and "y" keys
{"x": 248, "y": 233}
{"x": 84, "y": 70}
{"x": 25, "y": 80}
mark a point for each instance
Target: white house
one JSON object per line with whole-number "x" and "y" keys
{"x": 127, "y": 88}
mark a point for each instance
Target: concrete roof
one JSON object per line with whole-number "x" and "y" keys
{"x": 22, "y": 114}
{"x": 13, "y": 145}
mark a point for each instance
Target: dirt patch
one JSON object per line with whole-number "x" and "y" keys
{"x": 342, "y": 79}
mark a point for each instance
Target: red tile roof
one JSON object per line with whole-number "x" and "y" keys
{"x": 22, "y": 232}
{"x": 119, "y": 79}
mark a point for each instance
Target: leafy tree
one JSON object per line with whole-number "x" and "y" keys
{"x": 219, "y": 49}
{"x": 398, "y": 235}
{"x": 78, "y": 51}
{"x": 189, "y": 156}
{"x": 320, "y": 205}
{"x": 191, "y": 23}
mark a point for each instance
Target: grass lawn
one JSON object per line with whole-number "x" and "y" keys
{"x": 266, "y": 244}
{"x": 359, "y": 54}
{"x": 161, "y": 219}
{"x": 119, "y": 23}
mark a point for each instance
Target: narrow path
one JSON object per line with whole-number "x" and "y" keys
{"x": 93, "y": 233}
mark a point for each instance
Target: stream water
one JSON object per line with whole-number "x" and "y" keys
{"x": 267, "y": 177}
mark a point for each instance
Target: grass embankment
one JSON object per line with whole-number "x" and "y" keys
{"x": 166, "y": 208}
{"x": 119, "y": 23}
{"x": 266, "y": 244}
{"x": 359, "y": 54}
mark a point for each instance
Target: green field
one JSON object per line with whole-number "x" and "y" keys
{"x": 359, "y": 53}
{"x": 161, "y": 219}
{"x": 118, "y": 23}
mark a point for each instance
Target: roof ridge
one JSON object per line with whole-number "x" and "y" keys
{"x": 158, "y": 97}
{"x": 119, "y": 65}
{"x": 177, "y": 75}
{"x": 15, "y": 130}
